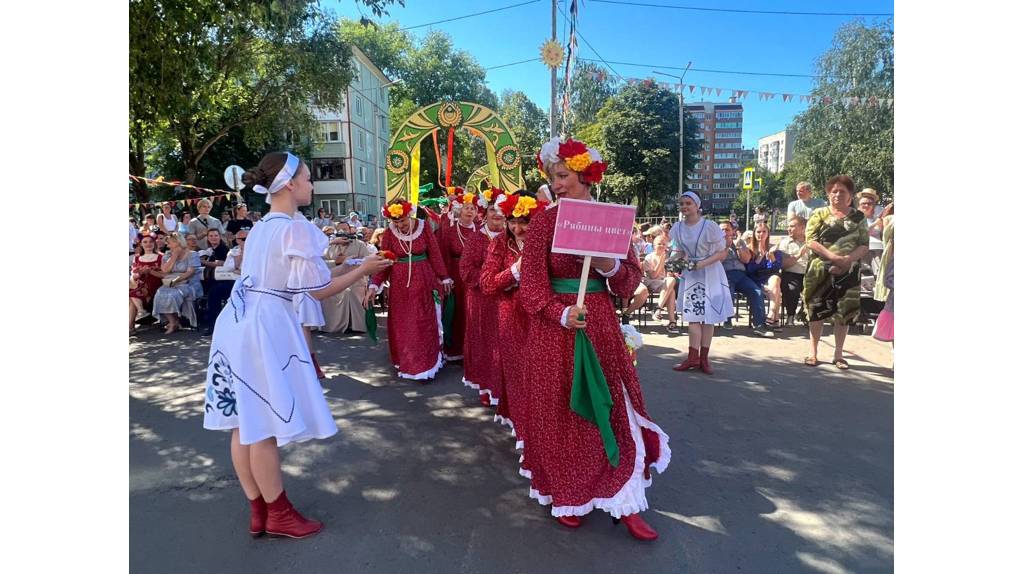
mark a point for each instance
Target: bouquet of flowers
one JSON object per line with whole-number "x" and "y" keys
{"x": 633, "y": 340}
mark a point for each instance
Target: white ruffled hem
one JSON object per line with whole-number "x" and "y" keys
{"x": 429, "y": 374}
{"x": 630, "y": 499}
{"x": 470, "y": 384}
{"x": 491, "y": 399}
{"x": 425, "y": 374}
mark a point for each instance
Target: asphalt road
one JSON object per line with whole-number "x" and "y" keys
{"x": 776, "y": 467}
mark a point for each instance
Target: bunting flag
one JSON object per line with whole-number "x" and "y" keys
{"x": 848, "y": 101}
{"x": 718, "y": 92}
{"x": 703, "y": 90}
{"x": 787, "y": 97}
{"x": 692, "y": 88}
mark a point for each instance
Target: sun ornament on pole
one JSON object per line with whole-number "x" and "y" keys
{"x": 552, "y": 53}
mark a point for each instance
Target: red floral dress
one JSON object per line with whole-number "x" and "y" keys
{"x": 452, "y": 239}
{"x": 481, "y": 361}
{"x": 568, "y": 465}
{"x": 414, "y": 308}
{"x": 146, "y": 285}
{"x": 498, "y": 280}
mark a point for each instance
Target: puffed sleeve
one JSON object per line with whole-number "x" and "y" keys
{"x": 714, "y": 240}
{"x": 626, "y": 279}
{"x": 493, "y": 278}
{"x": 303, "y": 246}
{"x": 387, "y": 242}
{"x": 535, "y": 292}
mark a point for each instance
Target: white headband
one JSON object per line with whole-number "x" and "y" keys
{"x": 291, "y": 165}
{"x": 693, "y": 196}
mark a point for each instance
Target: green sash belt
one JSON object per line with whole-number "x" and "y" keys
{"x": 411, "y": 258}
{"x": 569, "y": 285}
{"x": 448, "y": 319}
{"x": 590, "y": 396}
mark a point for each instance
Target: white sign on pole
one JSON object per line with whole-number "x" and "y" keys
{"x": 233, "y": 177}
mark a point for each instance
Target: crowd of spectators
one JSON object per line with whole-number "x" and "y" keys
{"x": 767, "y": 276}
{"x": 183, "y": 265}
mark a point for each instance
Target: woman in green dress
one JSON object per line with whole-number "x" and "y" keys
{"x": 837, "y": 236}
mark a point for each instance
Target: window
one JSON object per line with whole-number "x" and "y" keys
{"x": 728, "y": 125}
{"x": 725, "y": 186}
{"x": 328, "y": 169}
{"x": 696, "y": 186}
{"x": 698, "y": 166}
{"x": 727, "y": 166}
{"x": 728, "y": 115}
{"x": 330, "y": 131}
{"x": 362, "y": 174}
{"x": 361, "y": 139}
{"x": 698, "y": 115}
{"x": 729, "y": 135}
{"x": 727, "y": 145}
{"x": 357, "y": 104}
{"x": 726, "y": 175}
{"x": 729, "y": 155}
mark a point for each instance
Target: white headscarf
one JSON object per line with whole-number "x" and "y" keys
{"x": 693, "y": 196}
{"x": 291, "y": 166}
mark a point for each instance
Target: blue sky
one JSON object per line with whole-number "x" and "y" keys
{"x": 780, "y": 44}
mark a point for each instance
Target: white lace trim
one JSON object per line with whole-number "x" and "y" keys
{"x": 470, "y": 384}
{"x": 429, "y": 374}
{"x": 448, "y": 357}
{"x": 412, "y": 236}
{"x": 630, "y": 499}
{"x": 504, "y": 421}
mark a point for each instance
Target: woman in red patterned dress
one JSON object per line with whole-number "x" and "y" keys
{"x": 500, "y": 279}
{"x": 572, "y": 467}
{"x": 145, "y": 280}
{"x": 418, "y": 282}
{"x": 452, "y": 241}
{"x": 482, "y": 371}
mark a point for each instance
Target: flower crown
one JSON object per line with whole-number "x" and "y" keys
{"x": 396, "y": 209}
{"x": 472, "y": 198}
{"x": 515, "y": 205}
{"x": 577, "y": 157}
{"x": 491, "y": 194}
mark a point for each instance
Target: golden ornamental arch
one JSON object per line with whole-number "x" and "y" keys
{"x": 504, "y": 164}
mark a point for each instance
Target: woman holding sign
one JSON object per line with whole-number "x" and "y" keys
{"x": 583, "y": 454}
{"x": 699, "y": 248}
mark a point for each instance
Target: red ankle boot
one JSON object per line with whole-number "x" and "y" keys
{"x": 704, "y": 365}
{"x": 691, "y": 362}
{"x": 570, "y": 521}
{"x": 319, "y": 373}
{"x": 257, "y": 517}
{"x": 284, "y": 520}
{"x": 637, "y": 527}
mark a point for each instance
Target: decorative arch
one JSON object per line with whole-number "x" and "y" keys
{"x": 504, "y": 164}
{"x": 477, "y": 177}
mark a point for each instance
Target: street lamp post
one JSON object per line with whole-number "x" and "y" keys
{"x": 682, "y": 123}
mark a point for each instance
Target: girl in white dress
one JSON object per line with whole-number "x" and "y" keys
{"x": 704, "y": 296}
{"x": 260, "y": 381}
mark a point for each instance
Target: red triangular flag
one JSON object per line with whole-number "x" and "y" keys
{"x": 692, "y": 87}
{"x": 718, "y": 92}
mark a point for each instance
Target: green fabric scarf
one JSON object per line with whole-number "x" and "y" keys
{"x": 590, "y": 396}
{"x": 371, "y": 323}
{"x": 448, "y": 318}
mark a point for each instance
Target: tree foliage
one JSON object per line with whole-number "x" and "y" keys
{"x": 638, "y": 130}
{"x": 529, "y": 125}
{"x": 591, "y": 88}
{"x": 855, "y": 140}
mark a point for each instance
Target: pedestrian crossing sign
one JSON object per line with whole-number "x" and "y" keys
{"x": 748, "y": 179}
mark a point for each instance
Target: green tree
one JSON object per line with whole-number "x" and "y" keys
{"x": 857, "y": 140}
{"x": 639, "y": 138}
{"x": 386, "y": 45}
{"x": 769, "y": 194}
{"x": 591, "y": 87}
{"x": 529, "y": 125}
{"x": 202, "y": 68}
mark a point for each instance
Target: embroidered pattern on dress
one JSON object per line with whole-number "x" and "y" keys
{"x": 227, "y": 403}
{"x": 694, "y": 299}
